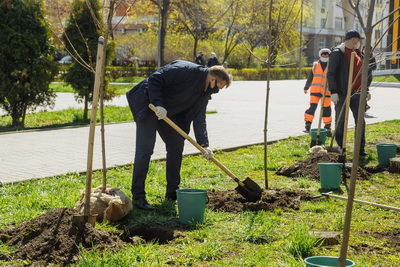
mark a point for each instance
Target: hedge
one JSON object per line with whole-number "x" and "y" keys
{"x": 238, "y": 74}
{"x": 276, "y": 73}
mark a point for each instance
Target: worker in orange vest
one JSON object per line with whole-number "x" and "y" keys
{"x": 315, "y": 82}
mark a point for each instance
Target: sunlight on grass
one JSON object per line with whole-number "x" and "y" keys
{"x": 386, "y": 79}
{"x": 249, "y": 238}
{"x": 301, "y": 242}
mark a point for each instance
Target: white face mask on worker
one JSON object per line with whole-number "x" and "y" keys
{"x": 324, "y": 59}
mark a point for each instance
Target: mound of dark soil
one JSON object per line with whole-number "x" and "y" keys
{"x": 309, "y": 167}
{"x": 232, "y": 201}
{"x": 52, "y": 238}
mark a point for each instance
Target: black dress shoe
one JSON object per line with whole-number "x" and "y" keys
{"x": 142, "y": 203}
{"x": 171, "y": 196}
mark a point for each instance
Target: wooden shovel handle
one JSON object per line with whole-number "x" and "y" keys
{"x": 346, "y": 116}
{"x": 199, "y": 147}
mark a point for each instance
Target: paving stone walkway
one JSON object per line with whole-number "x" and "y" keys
{"x": 239, "y": 122}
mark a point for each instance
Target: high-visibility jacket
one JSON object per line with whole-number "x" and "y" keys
{"x": 318, "y": 81}
{"x": 316, "y": 93}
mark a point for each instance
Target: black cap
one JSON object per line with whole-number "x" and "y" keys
{"x": 353, "y": 34}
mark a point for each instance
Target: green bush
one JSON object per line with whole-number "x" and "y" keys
{"x": 249, "y": 74}
{"x": 129, "y": 71}
{"x": 276, "y": 73}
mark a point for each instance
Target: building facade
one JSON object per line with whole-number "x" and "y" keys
{"x": 330, "y": 21}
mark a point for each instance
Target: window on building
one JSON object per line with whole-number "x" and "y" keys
{"x": 338, "y": 23}
{"x": 323, "y": 23}
{"x": 323, "y": 4}
{"x": 321, "y": 43}
{"x": 338, "y": 41}
{"x": 377, "y": 34}
{"x": 357, "y": 26}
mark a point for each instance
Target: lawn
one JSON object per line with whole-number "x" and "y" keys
{"x": 282, "y": 237}
{"x": 120, "y": 88}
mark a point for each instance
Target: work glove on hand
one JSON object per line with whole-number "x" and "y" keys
{"x": 335, "y": 98}
{"x": 368, "y": 96}
{"x": 208, "y": 154}
{"x": 161, "y": 113}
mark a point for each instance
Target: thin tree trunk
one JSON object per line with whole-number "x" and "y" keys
{"x": 196, "y": 41}
{"x": 163, "y": 31}
{"x": 85, "y": 109}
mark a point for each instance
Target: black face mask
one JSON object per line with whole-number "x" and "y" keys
{"x": 212, "y": 90}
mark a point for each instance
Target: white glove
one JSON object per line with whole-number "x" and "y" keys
{"x": 207, "y": 154}
{"x": 335, "y": 98}
{"x": 368, "y": 96}
{"x": 161, "y": 113}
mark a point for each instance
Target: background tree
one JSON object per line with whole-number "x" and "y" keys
{"x": 26, "y": 53}
{"x": 80, "y": 39}
{"x": 197, "y": 18}
{"x": 163, "y": 11}
{"x": 235, "y": 26}
{"x": 256, "y": 32}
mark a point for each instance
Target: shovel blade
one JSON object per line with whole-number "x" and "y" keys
{"x": 315, "y": 142}
{"x": 82, "y": 219}
{"x": 250, "y": 191}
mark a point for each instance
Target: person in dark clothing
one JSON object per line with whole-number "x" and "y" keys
{"x": 338, "y": 78}
{"x": 183, "y": 89}
{"x": 213, "y": 60}
{"x": 371, "y": 67}
{"x": 317, "y": 81}
{"x": 200, "y": 59}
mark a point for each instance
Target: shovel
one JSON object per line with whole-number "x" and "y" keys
{"x": 317, "y": 140}
{"x": 249, "y": 189}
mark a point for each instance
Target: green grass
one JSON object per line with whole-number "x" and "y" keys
{"x": 67, "y": 117}
{"x": 387, "y": 79}
{"x": 119, "y": 88}
{"x": 279, "y": 238}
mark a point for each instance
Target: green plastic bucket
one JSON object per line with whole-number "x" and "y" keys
{"x": 329, "y": 175}
{"x": 191, "y": 205}
{"x": 385, "y": 152}
{"x": 322, "y": 134}
{"x": 325, "y": 261}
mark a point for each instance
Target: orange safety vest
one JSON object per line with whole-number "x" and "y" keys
{"x": 318, "y": 81}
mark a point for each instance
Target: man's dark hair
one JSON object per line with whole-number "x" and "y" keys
{"x": 221, "y": 73}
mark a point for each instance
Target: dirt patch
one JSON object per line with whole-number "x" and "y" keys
{"x": 52, "y": 238}
{"x": 309, "y": 167}
{"x": 392, "y": 237}
{"x": 232, "y": 201}
{"x": 149, "y": 234}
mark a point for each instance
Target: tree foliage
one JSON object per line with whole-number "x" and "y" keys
{"x": 197, "y": 18}
{"x": 80, "y": 39}
{"x": 26, "y": 53}
{"x": 230, "y": 28}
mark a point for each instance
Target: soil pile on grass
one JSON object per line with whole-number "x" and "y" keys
{"x": 232, "y": 201}
{"x": 52, "y": 238}
{"x": 309, "y": 167}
